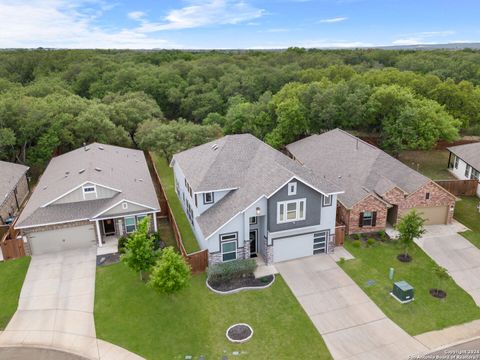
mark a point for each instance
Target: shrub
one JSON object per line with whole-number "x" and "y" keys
{"x": 122, "y": 244}
{"x": 228, "y": 271}
{"x": 371, "y": 241}
{"x": 383, "y": 236}
{"x": 170, "y": 273}
{"x": 157, "y": 241}
{"x": 357, "y": 243}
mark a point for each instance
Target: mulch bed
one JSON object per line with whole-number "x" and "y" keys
{"x": 439, "y": 294}
{"x": 239, "y": 332}
{"x": 404, "y": 258}
{"x": 108, "y": 259}
{"x": 249, "y": 281}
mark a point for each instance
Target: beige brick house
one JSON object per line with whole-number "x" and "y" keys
{"x": 379, "y": 189}
{"x": 13, "y": 189}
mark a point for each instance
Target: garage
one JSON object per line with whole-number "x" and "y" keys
{"x": 293, "y": 247}
{"x": 434, "y": 215}
{"x": 70, "y": 238}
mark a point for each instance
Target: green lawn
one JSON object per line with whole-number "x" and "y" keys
{"x": 432, "y": 164}
{"x": 466, "y": 212}
{"x": 425, "y": 313}
{"x": 12, "y": 273}
{"x": 193, "y": 322}
{"x": 168, "y": 184}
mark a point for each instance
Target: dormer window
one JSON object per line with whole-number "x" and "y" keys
{"x": 89, "y": 191}
{"x": 208, "y": 198}
{"x": 292, "y": 188}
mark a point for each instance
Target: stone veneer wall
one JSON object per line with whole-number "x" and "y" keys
{"x": 9, "y": 205}
{"x": 215, "y": 258}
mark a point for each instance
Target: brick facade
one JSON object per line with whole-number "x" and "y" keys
{"x": 351, "y": 217}
{"x": 19, "y": 193}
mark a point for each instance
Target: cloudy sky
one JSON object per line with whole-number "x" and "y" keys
{"x": 206, "y": 24}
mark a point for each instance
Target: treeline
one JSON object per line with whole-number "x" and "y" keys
{"x": 53, "y": 101}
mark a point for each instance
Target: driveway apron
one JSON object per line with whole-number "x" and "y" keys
{"x": 352, "y": 326}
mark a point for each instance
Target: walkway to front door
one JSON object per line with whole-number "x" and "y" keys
{"x": 352, "y": 326}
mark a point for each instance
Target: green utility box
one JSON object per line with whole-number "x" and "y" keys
{"x": 402, "y": 291}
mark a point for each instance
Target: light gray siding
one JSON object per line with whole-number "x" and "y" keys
{"x": 119, "y": 210}
{"x": 313, "y": 207}
{"x": 77, "y": 195}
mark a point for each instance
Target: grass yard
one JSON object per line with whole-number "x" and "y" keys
{"x": 193, "y": 322}
{"x": 168, "y": 184}
{"x": 12, "y": 273}
{"x": 425, "y": 313}
{"x": 466, "y": 212}
{"x": 432, "y": 164}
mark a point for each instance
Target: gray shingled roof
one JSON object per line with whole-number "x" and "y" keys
{"x": 120, "y": 168}
{"x": 354, "y": 165}
{"x": 10, "y": 175}
{"x": 470, "y": 153}
{"x": 245, "y": 163}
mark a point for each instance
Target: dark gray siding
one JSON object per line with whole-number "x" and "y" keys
{"x": 314, "y": 203}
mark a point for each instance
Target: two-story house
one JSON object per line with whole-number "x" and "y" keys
{"x": 245, "y": 199}
{"x": 88, "y": 196}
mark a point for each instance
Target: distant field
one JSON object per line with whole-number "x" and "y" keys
{"x": 432, "y": 163}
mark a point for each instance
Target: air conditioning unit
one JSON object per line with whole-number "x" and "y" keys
{"x": 402, "y": 291}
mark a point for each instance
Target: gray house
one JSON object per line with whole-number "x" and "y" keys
{"x": 14, "y": 189}
{"x": 88, "y": 196}
{"x": 245, "y": 199}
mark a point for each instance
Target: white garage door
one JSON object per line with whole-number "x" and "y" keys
{"x": 62, "y": 239}
{"x": 293, "y": 247}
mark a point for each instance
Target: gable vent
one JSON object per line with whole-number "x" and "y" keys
{"x": 81, "y": 171}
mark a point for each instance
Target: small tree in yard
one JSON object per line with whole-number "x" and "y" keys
{"x": 139, "y": 252}
{"x": 410, "y": 227}
{"x": 171, "y": 273}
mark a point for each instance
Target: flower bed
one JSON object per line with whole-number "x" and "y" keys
{"x": 239, "y": 333}
{"x": 239, "y": 284}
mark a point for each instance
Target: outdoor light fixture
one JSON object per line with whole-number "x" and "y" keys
{"x": 258, "y": 211}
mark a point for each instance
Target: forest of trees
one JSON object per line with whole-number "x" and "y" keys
{"x": 52, "y": 101}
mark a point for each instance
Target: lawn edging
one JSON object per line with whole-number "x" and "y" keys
{"x": 234, "y": 291}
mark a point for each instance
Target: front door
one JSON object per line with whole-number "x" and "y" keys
{"x": 253, "y": 243}
{"x": 109, "y": 227}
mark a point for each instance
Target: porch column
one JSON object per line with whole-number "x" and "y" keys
{"x": 155, "y": 228}
{"x": 99, "y": 233}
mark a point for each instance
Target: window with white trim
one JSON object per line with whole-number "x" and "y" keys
{"x": 327, "y": 200}
{"x": 228, "y": 246}
{"x": 253, "y": 220}
{"x": 319, "y": 242}
{"x": 290, "y": 211}
{"x": 467, "y": 171}
{"x": 457, "y": 159}
{"x": 140, "y": 218}
{"x": 130, "y": 225}
{"x": 208, "y": 198}
{"x": 292, "y": 188}
{"x": 475, "y": 174}
{"x": 89, "y": 190}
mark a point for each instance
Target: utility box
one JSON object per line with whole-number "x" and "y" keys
{"x": 402, "y": 291}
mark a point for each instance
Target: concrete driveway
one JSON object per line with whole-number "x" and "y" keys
{"x": 352, "y": 326}
{"x": 55, "y": 308}
{"x": 456, "y": 254}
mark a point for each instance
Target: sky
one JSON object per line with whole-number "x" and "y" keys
{"x": 235, "y": 24}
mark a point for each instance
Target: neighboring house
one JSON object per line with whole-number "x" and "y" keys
{"x": 14, "y": 189}
{"x": 87, "y": 195}
{"x": 245, "y": 199}
{"x": 464, "y": 162}
{"x": 378, "y": 187}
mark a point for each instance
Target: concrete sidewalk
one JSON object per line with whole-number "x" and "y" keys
{"x": 55, "y": 308}
{"x": 456, "y": 254}
{"x": 352, "y": 326}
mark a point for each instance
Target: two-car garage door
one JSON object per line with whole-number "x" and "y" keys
{"x": 288, "y": 248}
{"x": 70, "y": 238}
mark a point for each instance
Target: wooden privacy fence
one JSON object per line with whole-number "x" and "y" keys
{"x": 198, "y": 260}
{"x": 12, "y": 247}
{"x": 339, "y": 235}
{"x": 459, "y": 187}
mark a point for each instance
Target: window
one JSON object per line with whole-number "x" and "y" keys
{"x": 228, "y": 243}
{"x": 427, "y": 196}
{"x": 475, "y": 174}
{"x": 319, "y": 242}
{"x": 289, "y": 211}
{"x": 124, "y": 206}
{"x": 292, "y": 188}
{"x": 208, "y": 198}
{"x": 367, "y": 218}
{"x": 327, "y": 200}
{"x": 467, "y": 171}
{"x": 140, "y": 218}
{"x": 456, "y": 162}
{"x": 130, "y": 225}
{"x": 253, "y": 220}
{"x": 89, "y": 190}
